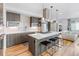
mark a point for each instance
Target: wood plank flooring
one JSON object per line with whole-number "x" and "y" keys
{"x": 69, "y": 49}
{"x": 19, "y": 49}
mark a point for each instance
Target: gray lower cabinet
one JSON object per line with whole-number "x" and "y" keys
{"x": 9, "y": 40}
{"x": 1, "y": 47}
{"x": 1, "y": 44}
{"x": 14, "y": 39}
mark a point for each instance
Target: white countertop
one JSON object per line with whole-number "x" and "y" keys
{"x": 15, "y": 30}
{"x": 41, "y": 36}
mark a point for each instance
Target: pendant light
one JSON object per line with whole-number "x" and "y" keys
{"x": 57, "y": 14}
{"x": 42, "y": 10}
{"x": 51, "y": 9}
{"x": 45, "y": 13}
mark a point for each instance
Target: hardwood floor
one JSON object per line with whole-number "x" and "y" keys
{"x": 20, "y": 49}
{"x": 69, "y": 49}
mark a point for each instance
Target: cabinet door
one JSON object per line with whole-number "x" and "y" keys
{"x": 13, "y": 16}
{"x": 17, "y": 17}
{"x": 18, "y": 39}
{"x": 15, "y": 39}
{"x": 22, "y": 38}
{"x": 8, "y": 41}
{"x": 13, "y": 19}
{"x": 1, "y": 43}
{"x": 1, "y": 11}
{"x": 34, "y": 21}
{"x": 11, "y": 40}
{"x": 10, "y": 16}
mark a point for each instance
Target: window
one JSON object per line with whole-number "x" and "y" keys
{"x": 75, "y": 26}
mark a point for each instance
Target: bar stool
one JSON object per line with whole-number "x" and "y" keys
{"x": 55, "y": 43}
{"x": 46, "y": 44}
{"x": 58, "y": 40}
{"x": 61, "y": 42}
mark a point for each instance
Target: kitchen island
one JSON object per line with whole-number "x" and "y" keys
{"x": 35, "y": 39}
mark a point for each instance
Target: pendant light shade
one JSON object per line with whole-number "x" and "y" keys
{"x": 51, "y": 9}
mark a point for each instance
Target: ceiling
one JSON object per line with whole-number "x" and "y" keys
{"x": 29, "y": 8}
{"x": 66, "y": 10}
{"x": 70, "y": 10}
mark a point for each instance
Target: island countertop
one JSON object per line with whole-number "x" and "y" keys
{"x": 43, "y": 35}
